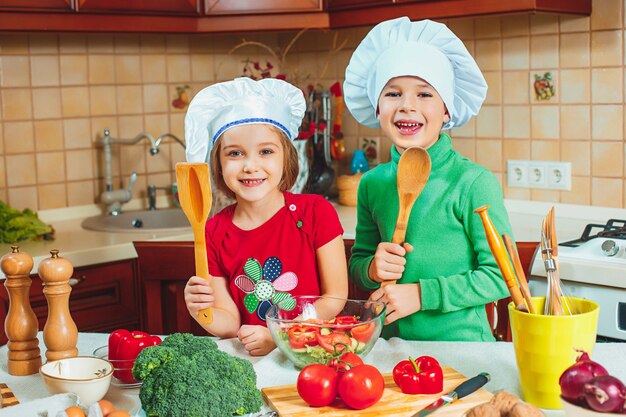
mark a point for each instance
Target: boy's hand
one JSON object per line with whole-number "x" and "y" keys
{"x": 388, "y": 263}
{"x": 402, "y": 300}
{"x": 198, "y": 295}
{"x": 256, "y": 339}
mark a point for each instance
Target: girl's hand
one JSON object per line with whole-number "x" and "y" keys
{"x": 402, "y": 300}
{"x": 389, "y": 261}
{"x": 198, "y": 295}
{"x": 256, "y": 339}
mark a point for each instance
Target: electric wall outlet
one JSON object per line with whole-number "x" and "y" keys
{"x": 517, "y": 173}
{"x": 537, "y": 174}
{"x": 551, "y": 175}
{"x": 559, "y": 175}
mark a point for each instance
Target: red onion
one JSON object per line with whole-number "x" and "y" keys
{"x": 606, "y": 394}
{"x": 574, "y": 378}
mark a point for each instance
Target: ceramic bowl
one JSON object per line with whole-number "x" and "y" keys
{"x": 118, "y": 367}
{"x": 86, "y": 376}
{"x": 305, "y": 335}
{"x": 573, "y": 410}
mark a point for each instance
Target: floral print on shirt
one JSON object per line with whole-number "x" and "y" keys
{"x": 265, "y": 286}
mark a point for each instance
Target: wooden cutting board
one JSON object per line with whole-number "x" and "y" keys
{"x": 286, "y": 401}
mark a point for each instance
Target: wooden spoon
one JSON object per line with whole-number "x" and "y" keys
{"x": 194, "y": 193}
{"x": 413, "y": 172}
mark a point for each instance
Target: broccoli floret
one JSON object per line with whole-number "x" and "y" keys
{"x": 189, "y": 376}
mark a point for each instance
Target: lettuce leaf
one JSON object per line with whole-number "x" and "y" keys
{"x": 16, "y": 226}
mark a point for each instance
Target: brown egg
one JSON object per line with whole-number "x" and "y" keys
{"x": 118, "y": 413}
{"x": 75, "y": 411}
{"x": 106, "y": 407}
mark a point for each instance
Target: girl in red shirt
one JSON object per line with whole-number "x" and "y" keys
{"x": 271, "y": 245}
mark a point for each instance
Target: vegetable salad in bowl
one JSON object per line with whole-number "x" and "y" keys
{"x": 306, "y": 334}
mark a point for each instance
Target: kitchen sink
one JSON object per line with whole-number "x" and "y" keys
{"x": 149, "y": 221}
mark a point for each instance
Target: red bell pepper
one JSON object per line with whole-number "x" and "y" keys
{"x": 420, "y": 376}
{"x": 302, "y": 335}
{"x": 124, "y": 346}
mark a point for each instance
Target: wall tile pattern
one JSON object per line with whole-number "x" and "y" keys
{"x": 58, "y": 92}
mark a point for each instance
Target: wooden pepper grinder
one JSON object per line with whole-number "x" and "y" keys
{"x": 60, "y": 333}
{"x": 21, "y": 324}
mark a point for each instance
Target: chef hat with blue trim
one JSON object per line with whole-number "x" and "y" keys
{"x": 241, "y": 101}
{"x": 423, "y": 49}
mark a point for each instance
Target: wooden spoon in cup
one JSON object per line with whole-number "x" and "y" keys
{"x": 413, "y": 172}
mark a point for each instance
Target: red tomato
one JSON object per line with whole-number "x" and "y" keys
{"x": 301, "y": 336}
{"x": 345, "y": 362}
{"x": 361, "y": 387}
{"x": 317, "y": 385}
{"x": 364, "y": 332}
{"x": 334, "y": 341}
{"x": 344, "y": 320}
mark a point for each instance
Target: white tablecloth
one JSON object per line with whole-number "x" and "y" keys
{"x": 497, "y": 358}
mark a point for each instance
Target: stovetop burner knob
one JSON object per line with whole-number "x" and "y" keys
{"x": 610, "y": 248}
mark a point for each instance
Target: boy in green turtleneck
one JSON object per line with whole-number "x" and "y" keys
{"x": 415, "y": 79}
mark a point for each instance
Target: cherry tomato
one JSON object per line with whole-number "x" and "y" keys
{"x": 317, "y": 385}
{"x": 335, "y": 339}
{"x": 345, "y": 362}
{"x": 364, "y": 332}
{"x": 302, "y": 335}
{"x": 361, "y": 387}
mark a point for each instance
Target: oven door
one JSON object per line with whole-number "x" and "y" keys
{"x": 612, "y": 302}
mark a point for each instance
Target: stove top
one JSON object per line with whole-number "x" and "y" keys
{"x": 614, "y": 228}
{"x": 597, "y": 257}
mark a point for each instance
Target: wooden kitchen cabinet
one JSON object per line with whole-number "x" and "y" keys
{"x": 147, "y": 7}
{"x": 221, "y": 16}
{"x": 261, "y": 6}
{"x": 373, "y": 13}
{"x": 37, "y": 5}
{"x": 104, "y": 298}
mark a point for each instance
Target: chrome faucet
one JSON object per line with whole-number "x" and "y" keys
{"x": 115, "y": 198}
{"x": 155, "y": 149}
{"x": 152, "y": 195}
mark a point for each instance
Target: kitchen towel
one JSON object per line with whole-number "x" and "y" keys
{"x": 45, "y": 407}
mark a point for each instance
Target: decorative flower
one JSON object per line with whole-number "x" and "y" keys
{"x": 265, "y": 286}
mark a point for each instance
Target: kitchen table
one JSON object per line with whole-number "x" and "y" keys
{"x": 497, "y": 358}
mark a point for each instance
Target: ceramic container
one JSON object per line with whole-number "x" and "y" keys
{"x": 86, "y": 376}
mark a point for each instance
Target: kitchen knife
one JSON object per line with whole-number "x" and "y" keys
{"x": 465, "y": 389}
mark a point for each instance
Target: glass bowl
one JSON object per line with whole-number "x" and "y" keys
{"x": 576, "y": 410}
{"x": 307, "y": 331}
{"x": 118, "y": 366}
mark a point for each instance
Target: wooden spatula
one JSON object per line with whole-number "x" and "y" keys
{"x": 413, "y": 172}
{"x": 194, "y": 193}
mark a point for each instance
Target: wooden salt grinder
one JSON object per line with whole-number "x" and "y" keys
{"x": 21, "y": 324}
{"x": 60, "y": 333}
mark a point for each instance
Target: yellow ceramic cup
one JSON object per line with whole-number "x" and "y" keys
{"x": 547, "y": 345}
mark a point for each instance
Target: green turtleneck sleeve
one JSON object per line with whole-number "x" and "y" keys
{"x": 451, "y": 259}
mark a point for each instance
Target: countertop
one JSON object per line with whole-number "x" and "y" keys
{"x": 85, "y": 247}
{"x": 469, "y": 358}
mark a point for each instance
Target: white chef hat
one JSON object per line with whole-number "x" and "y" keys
{"x": 222, "y": 106}
{"x": 423, "y": 49}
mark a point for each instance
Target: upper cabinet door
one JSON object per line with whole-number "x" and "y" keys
{"x": 161, "y": 7}
{"x": 261, "y": 6}
{"x": 356, "y": 4}
{"x": 36, "y": 5}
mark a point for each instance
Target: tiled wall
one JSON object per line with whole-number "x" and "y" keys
{"x": 59, "y": 92}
